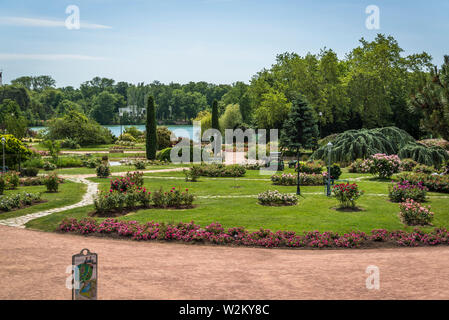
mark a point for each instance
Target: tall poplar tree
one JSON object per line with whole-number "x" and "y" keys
{"x": 151, "y": 128}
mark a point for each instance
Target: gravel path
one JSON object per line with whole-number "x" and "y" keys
{"x": 33, "y": 266}
{"x": 20, "y": 222}
{"x": 92, "y": 188}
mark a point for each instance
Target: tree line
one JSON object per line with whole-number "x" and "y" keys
{"x": 373, "y": 85}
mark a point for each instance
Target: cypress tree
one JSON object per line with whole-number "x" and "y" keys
{"x": 151, "y": 128}
{"x": 215, "y": 115}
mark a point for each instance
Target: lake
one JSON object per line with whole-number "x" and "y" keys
{"x": 179, "y": 131}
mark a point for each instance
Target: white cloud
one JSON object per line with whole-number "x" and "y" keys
{"x": 33, "y": 22}
{"x": 25, "y": 56}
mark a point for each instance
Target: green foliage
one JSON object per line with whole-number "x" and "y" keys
{"x": 14, "y": 150}
{"x": 127, "y": 137}
{"x": 335, "y": 171}
{"x": 300, "y": 130}
{"x": 353, "y": 144}
{"x": 215, "y": 124}
{"x": 103, "y": 171}
{"x": 133, "y": 131}
{"x": 164, "y": 155}
{"x": 231, "y": 118}
{"x": 52, "y": 182}
{"x": 29, "y": 171}
{"x": 433, "y": 101}
{"x": 53, "y": 148}
{"x": 163, "y": 138}
{"x": 430, "y": 156}
{"x": 78, "y": 127}
{"x": 151, "y": 138}
{"x": 18, "y": 200}
{"x": 69, "y": 144}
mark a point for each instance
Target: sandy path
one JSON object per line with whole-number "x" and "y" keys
{"x": 33, "y": 264}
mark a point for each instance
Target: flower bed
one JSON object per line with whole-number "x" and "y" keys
{"x": 347, "y": 194}
{"x": 135, "y": 197}
{"x": 398, "y": 192}
{"x": 382, "y": 165}
{"x": 289, "y": 179}
{"x": 309, "y": 167}
{"x": 219, "y": 170}
{"x": 275, "y": 198}
{"x": 413, "y": 213}
{"x": 18, "y": 200}
{"x": 216, "y": 234}
{"x": 436, "y": 183}
{"x": 35, "y": 181}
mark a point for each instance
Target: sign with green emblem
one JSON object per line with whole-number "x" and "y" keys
{"x": 84, "y": 275}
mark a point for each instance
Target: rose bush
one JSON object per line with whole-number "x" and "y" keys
{"x": 398, "y": 192}
{"x": 275, "y": 198}
{"x": 414, "y": 213}
{"x": 347, "y": 194}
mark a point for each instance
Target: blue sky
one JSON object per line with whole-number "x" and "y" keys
{"x": 220, "y": 41}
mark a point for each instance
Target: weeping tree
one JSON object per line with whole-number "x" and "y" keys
{"x": 354, "y": 144}
{"x": 431, "y": 156}
{"x": 151, "y": 128}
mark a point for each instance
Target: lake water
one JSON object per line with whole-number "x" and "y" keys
{"x": 179, "y": 131}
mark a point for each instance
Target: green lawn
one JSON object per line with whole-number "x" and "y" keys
{"x": 233, "y": 202}
{"x": 69, "y": 193}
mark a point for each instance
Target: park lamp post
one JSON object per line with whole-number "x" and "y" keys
{"x": 329, "y": 149}
{"x": 3, "y": 143}
{"x": 298, "y": 188}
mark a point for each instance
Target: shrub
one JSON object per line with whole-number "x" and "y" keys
{"x": 193, "y": 173}
{"x": 2, "y": 184}
{"x": 383, "y": 166}
{"x": 347, "y": 194}
{"x": 69, "y": 144}
{"x": 18, "y": 200}
{"x": 408, "y": 164}
{"x": 310, "y": 167}
{"x": 402, "y": 190}
{"x": 421, "y": 168}
{"x": 163, "y": 138}
{"x": 91, "y": 162}
{"x": 11, "y": 179}
{"x": 289, "y": 179}
{"x": 29, "y": 172}
{"x": 127, "y": 137}
{"x": 219, "y": 170}
{"x": 48, "y": 166}
{"x": 68, "y": 162}
{"x": 335, "y": 171}
{"x": 164, "y": 155}
{"x": 413, "y": 213}
{"x": 52, "y": 181}
{"x": 359, "y": 166}
{"x": 275, "y": 198}
{"x": 436, "y": 183}
{"x": 76, "y": 126}
{"x": 114, "y": 200}
{"x": 35, "y": 162}
{"x": 175, "y": 198}
{"x": 252, "y": 166}
{"x": 103, "y": 171}
{"x": 140, "y": 165}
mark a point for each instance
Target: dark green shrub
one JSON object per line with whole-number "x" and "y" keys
{"x": 103, "y": 171}
{"x": 52, "y": 182}
{"x": 164, "y": 155}
{"x": 69, "y": 144}
{"x": 2, "y": 184}
{"x": 151, "y": 128}
{"x": 335, "y": 171}
{"x": 163, "y": 138}
{"x": 29, "y": 172}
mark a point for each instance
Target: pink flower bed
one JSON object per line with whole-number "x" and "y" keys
{"x": 216, "y": 234}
